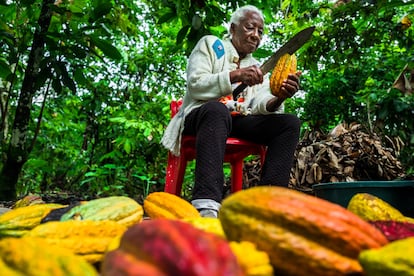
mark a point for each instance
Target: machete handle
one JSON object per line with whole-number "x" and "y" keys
{"x": 238, "y": 90}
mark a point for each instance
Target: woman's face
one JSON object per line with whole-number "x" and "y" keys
{"x": 246, "y": 35}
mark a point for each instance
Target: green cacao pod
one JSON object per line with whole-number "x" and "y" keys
{"x": 394, "y": 259}
{"x": 121, "y": 209}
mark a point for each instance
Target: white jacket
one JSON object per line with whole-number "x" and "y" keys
{"x": 208, "y": 78}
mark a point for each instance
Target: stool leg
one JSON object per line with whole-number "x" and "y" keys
{"x": 170, "y": 182}
{"x": 175, "y": 174}
{"x": 237, "y": 175}
{"x": 263, "y": 150}
{"x": 180, "y": 176}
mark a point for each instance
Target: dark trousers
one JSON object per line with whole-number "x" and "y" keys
{"x": 212, "y": 124}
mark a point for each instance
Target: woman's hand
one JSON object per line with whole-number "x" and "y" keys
{"x": 290, "y": 86}
{"x": 250, "y": 76}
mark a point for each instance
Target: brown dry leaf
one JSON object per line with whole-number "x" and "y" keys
{"x": 405, "y": 81}
{"x": 333, "y": 162}
{"x": 353, "y": 155}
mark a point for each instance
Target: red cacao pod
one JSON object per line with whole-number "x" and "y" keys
{"x": 394, "y": 230}
{"x": 119, "y": 262}
{"x": 171, "y": 247}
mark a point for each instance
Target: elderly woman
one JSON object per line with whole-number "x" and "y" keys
{"x": 215, "y": 67}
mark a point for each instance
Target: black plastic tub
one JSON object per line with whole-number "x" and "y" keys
{"x": 399, "y": 194}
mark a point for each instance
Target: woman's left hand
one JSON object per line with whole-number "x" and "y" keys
{"x": 291, "y": 85}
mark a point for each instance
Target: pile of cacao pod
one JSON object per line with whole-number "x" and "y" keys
{"x": 260, "y": 231}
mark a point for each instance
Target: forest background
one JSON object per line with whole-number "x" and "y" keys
{"x": 86, "y": 84}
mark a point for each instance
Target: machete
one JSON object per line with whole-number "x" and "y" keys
{"x": 297, "y": 41}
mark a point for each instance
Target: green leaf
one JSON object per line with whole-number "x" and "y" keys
{"x": 107, "y": 48}
{"x": 4, "y": 70}
{"x": 28, "y": 3}
{"x": 118, "y": 120}
{"x": 167, "y": 17}
{"x": 127, "y": 146}
{"x": 66, "y": 79}
{"x": 62, "y": 73}
{"x": 182, "y": 34}
{"x": 80, "y": 77}
{"x": 79, "y": 52}
{"x": 56, "y": 85}
{"x": 100, "y": 9}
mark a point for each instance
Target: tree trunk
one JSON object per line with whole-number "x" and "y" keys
{"x": 18, "y": 151}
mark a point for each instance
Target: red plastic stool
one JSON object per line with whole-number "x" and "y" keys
{"x": 236, "y": 150}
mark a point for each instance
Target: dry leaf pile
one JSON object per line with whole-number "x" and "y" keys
{"x": 346, "y": 154}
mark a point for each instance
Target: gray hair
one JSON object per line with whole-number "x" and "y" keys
{"x": 239, "y": 14}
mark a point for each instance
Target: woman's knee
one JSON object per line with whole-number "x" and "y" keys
{"x": 216, "y": 111}
{"x": 294, "y": 121}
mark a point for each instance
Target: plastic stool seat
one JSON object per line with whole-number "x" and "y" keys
{"x": 236, "y": 151}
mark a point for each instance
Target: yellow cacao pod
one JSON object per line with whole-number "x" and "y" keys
{"x": 211, "y": 225}
{"x": 18, "y": 221}
{"x": 87, "y": 238}
{"x": 286, "y": 65}
{"x": 169, "y": 206}
{"x": 32, "y": 257}
{"x": 370, "y": 207}
{"x": 253, "y": 261}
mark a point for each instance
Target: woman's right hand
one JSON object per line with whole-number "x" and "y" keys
{"x": 250, "y": 75}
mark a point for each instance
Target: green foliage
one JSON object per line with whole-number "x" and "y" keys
{"x": 110, "y": 69}
{"x": 356, "y": 66}
{"x": 105, "y": 94}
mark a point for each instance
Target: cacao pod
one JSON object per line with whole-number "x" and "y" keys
{"x": 254, "y": 262}
{"x": 211, "y": 225}
{"x": 170, "y": 247}
{"x": 32, "y": 257}
{"x": 370, "y": 207}
{"x": 170, "y": 206}
{"x": 28, "y": 200}
{"x": 394, "y": 259}
{"x": 302, "y": 234}
{"x": 17, "y": 222}
{"x": 121, "y": 209}
{"x": 394, "y": 230}
{"x": 119, "y": 262}
{"x": 87, "y": 238}
{"x": 286, "y": 65}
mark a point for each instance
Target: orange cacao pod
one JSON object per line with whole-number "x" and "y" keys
{"x": 169, "y": 206}
{"x": 302, "y": 234}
